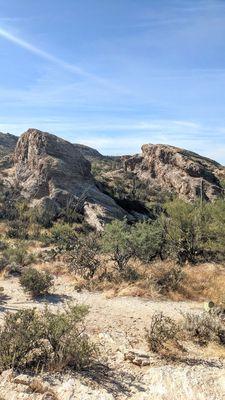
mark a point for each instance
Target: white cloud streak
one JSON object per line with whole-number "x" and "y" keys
{"x": 74, "y": 69}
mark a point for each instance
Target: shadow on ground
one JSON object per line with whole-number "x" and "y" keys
{"x": 53, "y": 298}
{"x": 115, "y": 382}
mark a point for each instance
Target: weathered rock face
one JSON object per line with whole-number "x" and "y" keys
{"x": 176, "y": 170}
{"x": 88, "y": 152}
{"x": 52, "y": 172}
{"x": 7, "y": 143}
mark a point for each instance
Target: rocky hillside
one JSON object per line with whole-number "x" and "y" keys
{"x": 52, "y": 173}
{"x": 88, "y": 152}
{"x": 177, "y": 170}
{"x": 7, "y": 143}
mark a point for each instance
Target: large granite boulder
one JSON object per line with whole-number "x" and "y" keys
{"x": 176, "y": 170}
{"x": 52, "y": 172}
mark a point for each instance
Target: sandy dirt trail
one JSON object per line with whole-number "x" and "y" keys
{"x": 119, "y": 324}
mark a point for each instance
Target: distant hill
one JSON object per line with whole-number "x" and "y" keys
{"x": 7, "y": 143}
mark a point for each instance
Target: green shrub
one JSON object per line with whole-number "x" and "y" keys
{"x": 19, "y": 336}
{"x": 8, "y": 199}
{"x": 195, "y": 231}
{"x": 146, "y": 239}
{"x": 35, "y": 282}
{"x": 63, "y": 235}
{"x": 183, "y": 227}
{"x": 45, "y": 340}
{"x": 71, "y": 212}
{"x": 17, "y": 230}
{"x": 215, "y": 230}
{"x": 116, "y": 242}
{"x": 84, "y": 258}
{"x": 66, "y": 335}
{"x": 18, "y": 255}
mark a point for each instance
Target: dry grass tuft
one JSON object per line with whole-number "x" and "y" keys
{"x": 204, "y": 282}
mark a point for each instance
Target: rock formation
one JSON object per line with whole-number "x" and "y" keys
{"x": 52, "y": 173}
{"x": 176, "y": 170}
{"x": 7, "y": 143}
{"x": 88, "y": 152}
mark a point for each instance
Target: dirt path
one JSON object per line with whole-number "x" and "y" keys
{"x": 118, "y": 312}
{"x": 119, "y": 324}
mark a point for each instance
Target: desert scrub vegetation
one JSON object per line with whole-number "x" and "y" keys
{"x": 115, "y": 242}
{"x": 36, "y": 283}
{"x": 15, "y": 258}
{"x": 167, "y": 336}
{"x": 84, "y": 257}
{"x": 194, "y": 232}
{"x": 45, "y": 340}
{"x": 183, "y": 232}
{"x": 62, "y": 235}
{"x": 178, "y": 233}
{"x": 123, "y": 242}
{"x": 170, "y": 279}
{"x": 163, "y": 329}
{"x": 206, "y": 327}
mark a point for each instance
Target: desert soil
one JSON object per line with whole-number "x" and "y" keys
{"x": 119, "y": 325}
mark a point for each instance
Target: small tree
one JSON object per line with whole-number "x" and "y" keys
{"x": 215, "y": 229}
{"x": 116, "y": 243}
{"x": 146, "y": 239}
{"x": 35, "y": 282}
{"x": 183, "y": 226}
{"x": 84, "y": 258}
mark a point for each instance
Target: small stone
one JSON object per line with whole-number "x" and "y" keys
{"x": 23, "y": 379}
{"x": 137, "y": 358}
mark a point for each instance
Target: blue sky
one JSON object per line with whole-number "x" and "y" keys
{"x": 115, "y": 74}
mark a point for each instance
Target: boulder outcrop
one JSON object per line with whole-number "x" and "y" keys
{"x": 7, "y": 143}
{"x": 52, "y": 173}
{"x": 176, "y": 170}
{"x": 88, "y": 152}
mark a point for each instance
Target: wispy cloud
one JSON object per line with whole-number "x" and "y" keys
{"x": 74, "y": 69}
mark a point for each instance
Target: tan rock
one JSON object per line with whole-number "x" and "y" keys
{"x": 136, "y": 357}
{"x": 53, "y": 173}
{"x": 23, "y": 379}
{"x": 176, "y": 170}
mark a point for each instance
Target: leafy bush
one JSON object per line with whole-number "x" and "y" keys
{"x": 63, "y": 235}
{"x": 8, "y": 198}
{"x": 146, "y": 239}
{"x": 195, "y": 231}
{"x": 184, "y": 228}
{"x": 84, "y": 258}
{"x": 45, "y": 340}
{"x": 18, "y": 255}
{"x": 116, "y": 242}
{"x": 17, "y": 230}
{"x": 215, "y": 230}
{"x": 162, "y": 330}
{"x": 35, "y": 282}
{"x": 71, "y": 212}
